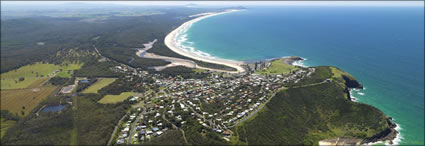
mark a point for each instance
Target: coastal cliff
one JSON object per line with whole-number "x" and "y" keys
{"x": 310, "y": 111}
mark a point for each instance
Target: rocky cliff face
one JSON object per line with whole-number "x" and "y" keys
{"x": 352, "y": 83}
{"x": 389, "y": 134}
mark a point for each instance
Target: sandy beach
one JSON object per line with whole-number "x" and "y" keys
{"x": 170, "y": 42}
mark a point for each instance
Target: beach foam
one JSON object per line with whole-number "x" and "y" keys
{"x": 300, "y": 62}
{"x": 177, "y": 38}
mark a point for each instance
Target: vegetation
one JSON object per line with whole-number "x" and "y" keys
{"x": 58, "y": 81}
{"x": 95, "y": 122}
{"x": 171, "y": 137}
{"x": 278, "y": 67}
{"x": 99, "y": 85}
{"x": 31, "y": 76}
{"x": 116, "y": 98}
{"x": 184, "y": 72}
{"x": 6, "y": 124}
{"x": 87, "y": 123}
{"x": 21, "y": 101}
{"x": 306, "y": 115}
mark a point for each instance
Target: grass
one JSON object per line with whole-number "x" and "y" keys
{"x": 15, "y": 99}
{"x": 99, "y": 85}
{"x": 116, "y": 98}
{"x": 278, "y": 67}
{"x": 34, "y": 74}
{"x": 6, "y": 124}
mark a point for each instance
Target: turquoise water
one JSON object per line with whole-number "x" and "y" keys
{"x": 383, "y": 47}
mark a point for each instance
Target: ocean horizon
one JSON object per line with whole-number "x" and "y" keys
{"x": 383, "y": 47}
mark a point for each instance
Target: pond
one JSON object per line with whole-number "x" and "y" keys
{"x": 53, "y": 108}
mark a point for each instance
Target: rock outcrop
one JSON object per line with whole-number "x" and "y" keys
{"x": 389, "y": 134}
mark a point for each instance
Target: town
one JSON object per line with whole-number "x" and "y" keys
{"x": 218, "y": 102}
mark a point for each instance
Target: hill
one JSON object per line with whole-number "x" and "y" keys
{"x": 307, "y": 114}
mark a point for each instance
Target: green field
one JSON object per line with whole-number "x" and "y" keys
{"x": 102, "y": 82}
{"x": 116, "y": 98}
{"x": 18, "y": 100}
{"x": 6, "y": 124}
{"x": 35, "y": 74}
{"x": 278, "y": 67}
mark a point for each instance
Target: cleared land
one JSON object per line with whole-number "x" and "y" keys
{"x": 30, "y": 76}
{"x": 278, "y": 67}
{"x": 116, "y": 98}
{"x": 18, "y": 100}
{"x": 102, "y": 82}
{"x": 6, "y": 124}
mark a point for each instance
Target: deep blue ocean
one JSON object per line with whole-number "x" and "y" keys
{"x": 383, "y": 47}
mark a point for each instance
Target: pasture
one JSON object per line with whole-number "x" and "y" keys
{"x": 278, "y": 67}
{"x": 33, "y": 75}
{"x": 116, "y": 98}
{"x": 102, "y": 82}
{"x": 5, "y": 124}
{"x": 24, "y": 100}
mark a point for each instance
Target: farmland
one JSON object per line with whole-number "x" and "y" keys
{"x": 30, "y": 76}
{"x": 116, "y": 98}
{"x": 24, "y": 100}
{"x": 102, "y": 82}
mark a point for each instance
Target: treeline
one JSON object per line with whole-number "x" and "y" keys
{"x": 182, "y": 71}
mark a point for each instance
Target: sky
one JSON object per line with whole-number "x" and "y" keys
{"x": 236, "y": 3}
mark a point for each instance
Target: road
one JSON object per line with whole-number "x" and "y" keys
{"x": 119, "y": 122}
{"x": 133, "y": 125}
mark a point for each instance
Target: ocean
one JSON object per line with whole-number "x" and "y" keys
{"x": 383, "y": 47}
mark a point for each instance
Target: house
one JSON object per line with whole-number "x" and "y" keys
{"x": 155, "y": 129}
{"x": 120, "y": 141}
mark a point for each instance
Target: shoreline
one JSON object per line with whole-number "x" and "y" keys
{"x": 170, "y": 42}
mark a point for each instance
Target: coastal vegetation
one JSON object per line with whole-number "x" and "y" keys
{"x": 277, "y": 67}
{"x": 306, "y": 115}
{"x": 102, "y": 50}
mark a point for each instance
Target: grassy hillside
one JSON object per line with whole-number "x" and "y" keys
{"x": 99, "y": 85}
{"x": 306, "y": 115}
{"x": 278, "y": 67}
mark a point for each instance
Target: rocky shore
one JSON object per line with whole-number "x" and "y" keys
{"x": 388, "y": 135}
